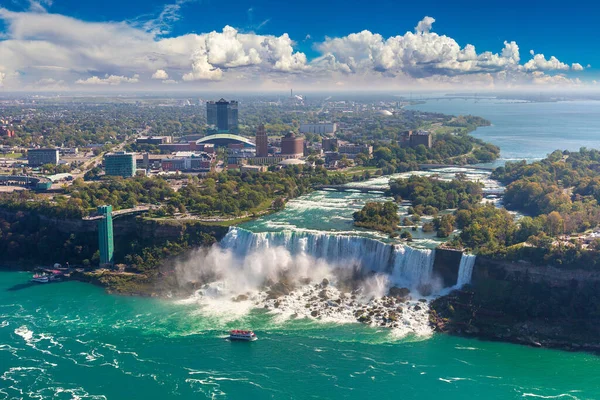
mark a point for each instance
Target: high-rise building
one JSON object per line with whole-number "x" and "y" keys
{"x": 106, "y": 242}
{"x": 120, "y": 164}
{"x": 414, "y": 139}
{"x": 262, "y": 142}
{"x": 329, "y": 144}
{"x": 223, "y": 115}
{"x": 292, "y": 145}
{"x": 39, "y": 157}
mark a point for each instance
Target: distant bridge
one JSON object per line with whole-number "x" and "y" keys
{"x": 119, "y": 213}
{"x": 435, "y": 166}
{"x": 344, "y": 188}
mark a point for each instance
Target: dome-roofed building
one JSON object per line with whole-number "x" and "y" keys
{"x": 291, "y": 161}
{"x": 385, "y": 113}
{"x": 225, "y": 139}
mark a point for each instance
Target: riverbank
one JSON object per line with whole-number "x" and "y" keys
{"x": 522, "y": 303}
{"x": 458, "y": 314}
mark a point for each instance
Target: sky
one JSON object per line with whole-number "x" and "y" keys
{"x": 318, "y": 45}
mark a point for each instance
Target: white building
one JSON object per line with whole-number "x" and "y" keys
{"x": 320, "y": 128}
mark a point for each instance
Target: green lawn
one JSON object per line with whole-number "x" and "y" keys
{"x": 13, "y": 155}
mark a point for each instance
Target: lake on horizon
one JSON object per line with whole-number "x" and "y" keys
{"x": 527, "y": 130}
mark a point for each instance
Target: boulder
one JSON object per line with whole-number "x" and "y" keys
{"x": 278, "y": 290}
{"x": 241, "y": 297}
{"x": 399, "y": 292}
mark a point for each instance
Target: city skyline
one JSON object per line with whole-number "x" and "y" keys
{"x": 55, "y": 45}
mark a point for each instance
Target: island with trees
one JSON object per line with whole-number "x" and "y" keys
{"x": 381, "y": 216}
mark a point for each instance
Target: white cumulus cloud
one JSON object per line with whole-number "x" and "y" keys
{"x": 160, "y": 74}
{"x": 108, "y": 80}
{"x": 539, "y": 63}
{"x": 577, "y": 67}
{"x": 38, "y": 46}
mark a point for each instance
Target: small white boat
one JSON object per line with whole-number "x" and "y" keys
{"x": 237, "y": 334}
{"x": 40, "y": 278}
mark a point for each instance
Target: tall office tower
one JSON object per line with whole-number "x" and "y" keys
{"x": 262, "y": 142}
{"x": 120, "y": 164}
{"x": 211, "y": 113}
{"x": 105, "y": 236}
{"x": 223, "y": 115}
{"x": 232, "y": 116}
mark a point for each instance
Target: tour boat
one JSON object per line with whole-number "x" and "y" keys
{"x": 237, "y": 334}
{"x": 40, "y": 278}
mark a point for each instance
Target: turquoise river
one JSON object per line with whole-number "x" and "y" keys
{"x": 71, "y": 340}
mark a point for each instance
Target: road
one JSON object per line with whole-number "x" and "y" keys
{"x": 97, "y": 160}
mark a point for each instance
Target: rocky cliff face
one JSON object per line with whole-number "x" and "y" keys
{"x": 519, "y": 302}
{"x": 446, "y": 264}
{"x": 524, "y": 272}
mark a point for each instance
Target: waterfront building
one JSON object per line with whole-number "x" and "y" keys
{"x": 120, "y": 164}
{"x": 39, "y": 157}
{"x": 321, "y": 128}
{"x": 106, "y": 242}
{"x": 262, "y": 142}
{"x": 223, "y": 115}
{"x": 292, "y": 145}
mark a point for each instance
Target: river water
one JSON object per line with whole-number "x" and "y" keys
{"x": 71, "y": 340}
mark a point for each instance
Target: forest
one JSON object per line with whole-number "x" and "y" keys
{"x": 381, "y": 216}
{"x": 559, "y": 197}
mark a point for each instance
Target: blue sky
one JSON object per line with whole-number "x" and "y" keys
{"x": 275, "y": 44}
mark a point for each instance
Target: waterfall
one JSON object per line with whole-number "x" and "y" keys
{"x": 405, "y": 265}
{"x": 412, "y": 266}
{"x": 465, "y": 270}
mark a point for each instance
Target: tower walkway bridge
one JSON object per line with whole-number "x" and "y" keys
{"x": 120, "y": 213}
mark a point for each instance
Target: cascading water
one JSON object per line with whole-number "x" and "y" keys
{"x": 465, "y": 270}
{"x": 412, "y": 266}
{"x": 406, "y": 266}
